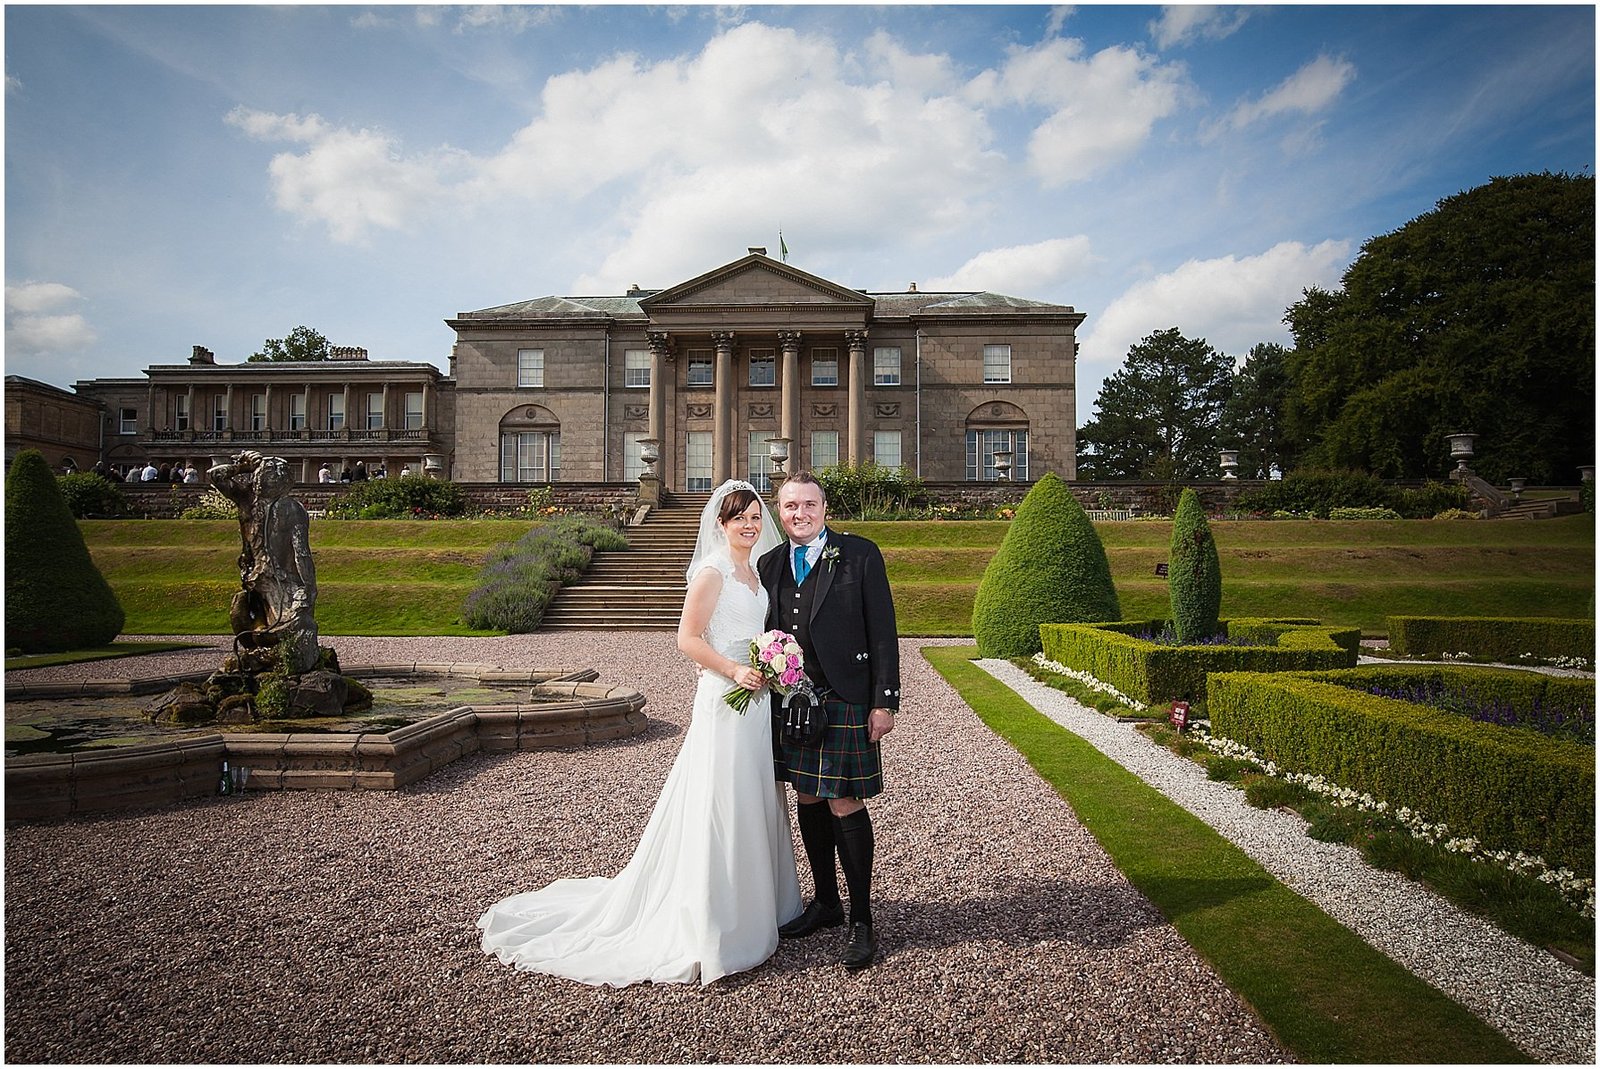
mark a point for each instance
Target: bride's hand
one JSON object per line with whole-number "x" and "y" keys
{"x": 748, "y": 678}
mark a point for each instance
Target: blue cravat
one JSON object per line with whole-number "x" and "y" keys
{"x": 801, "y": 568}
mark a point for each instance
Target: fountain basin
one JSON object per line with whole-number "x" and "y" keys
{"x": 565, "y": 709}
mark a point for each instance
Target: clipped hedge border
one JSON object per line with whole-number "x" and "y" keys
{"x": 1511, "y": 788}
{"x": 1497, "y": 637}
{"x": 1150, "y": 672}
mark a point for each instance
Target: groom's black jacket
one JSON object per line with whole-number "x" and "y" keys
{"x": 851, "y": 628}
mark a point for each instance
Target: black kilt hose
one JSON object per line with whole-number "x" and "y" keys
{"x": 843, "y": 617}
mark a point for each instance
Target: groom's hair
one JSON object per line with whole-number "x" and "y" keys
{"x": 805, "y": 475}
{"x": 734, "y": 503}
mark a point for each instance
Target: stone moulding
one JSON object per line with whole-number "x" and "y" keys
{"x": 582, "y": 712}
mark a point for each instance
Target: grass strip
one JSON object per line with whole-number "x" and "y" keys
{"x": 1324, "y": 992}
{"x": 96, "y": 653}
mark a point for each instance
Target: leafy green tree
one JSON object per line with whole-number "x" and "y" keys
{"x": 1158, "y": 416}
{"x": 1050, "y": 568}
{"x": 1252, "y": 420}
{"x": 303, "y": 343}
{"x": 1194, "y": 574}
{"x": 91, "y": 495}
{"x": 1479, "y": 316}
{"x": 56, "y": 599}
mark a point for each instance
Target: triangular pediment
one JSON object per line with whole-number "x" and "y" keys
{"x": 755, "y": 281}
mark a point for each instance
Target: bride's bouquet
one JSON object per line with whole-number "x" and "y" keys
{"x": 776, "y": 655}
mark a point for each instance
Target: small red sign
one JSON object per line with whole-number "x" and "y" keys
{"x": 1179, "y": 717}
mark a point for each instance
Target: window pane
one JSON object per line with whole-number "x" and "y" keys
{"x": 981, "y": 448}
{"x": 697, "y": 461}
{"x": 374, "y": 411}
{"x": 700, "y": 367}
{"x": 297, "y": 412}
{"x": 824, "y": 449}
{"x": 530, "y": 367}
{"x": 632, "y": 462}
{"x": 886, "y": 366}
{"x": 824, "y": 367}
{"x": 336, "y": 412}
{"x": 636, "y": 368}
{"x": 219, "y": 412}
{"x": 763, "y": 367}
{"x": 886, "y": 448}
{"x": 997, "y": 363}
{"x": 761, "y": 460}
{"x": 128, "y": 418}
{"x": 182, "y": 421}
{"x": 414, "y": 411}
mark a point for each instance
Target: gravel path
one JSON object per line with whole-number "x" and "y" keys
{"x": 1541, "y": 1004}
{"x": 338, "y": 926}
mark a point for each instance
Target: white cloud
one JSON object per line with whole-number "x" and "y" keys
{"x": 1101, "y": 107}
{"x": 1058, "y": 18}
{"x": 1307, "y": 91}
{"x": 1020, "y": 270}
{"x": 501, "y": 18}
{"x": 1232, "y": 302}
{"x": 1183, "y": 24}
{"x": 35, "y": 328}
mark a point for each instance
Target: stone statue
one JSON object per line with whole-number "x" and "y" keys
{"x": 275, "y": 568}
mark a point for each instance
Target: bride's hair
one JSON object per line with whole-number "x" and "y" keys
{"x": 734, "y": 503}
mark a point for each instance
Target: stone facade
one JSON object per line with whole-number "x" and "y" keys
{"x": 61, "y": 425}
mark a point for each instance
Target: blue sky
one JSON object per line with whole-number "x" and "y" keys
{"x": 216, "y": 176}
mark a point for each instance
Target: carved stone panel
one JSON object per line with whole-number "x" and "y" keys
{"x": 761, "y": 410}
{"x": 888, "y": 410}
{"x": 635, "y": 413}
{"x": 700, "y": 411}
{"x": 826, "y": 410}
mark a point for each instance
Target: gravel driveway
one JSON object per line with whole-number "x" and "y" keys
{"x": 339, "y": 926}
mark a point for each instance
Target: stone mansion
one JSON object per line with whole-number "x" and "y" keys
{"x": 580, "y": 389}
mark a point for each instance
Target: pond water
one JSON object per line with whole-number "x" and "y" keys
{"x": 68, "y": 725}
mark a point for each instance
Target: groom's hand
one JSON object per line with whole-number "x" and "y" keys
{"x": 879, "y": 723}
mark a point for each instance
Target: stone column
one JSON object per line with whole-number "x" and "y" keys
{"x": 346, "y": 427}
{"x": 723, "y": 425}
{"x": 427, "y": 406}
{"x": 306, "y": 430}
{"x": 660, "y": 357}
{"x": 192, "y": 425}
{"x": 268, "y": 414}
{"x": 386, "y": 409}
{"x": 857, "y": 404}
{"x": 790, "y": 423}
{"x": 227, "y": 408}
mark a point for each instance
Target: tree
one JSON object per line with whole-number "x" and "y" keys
{"x": 56, "y": 599}
{"x": 1252, "y": 420}
{"x": 1158, "y": 416}
{"x": 1476, "y": 316}
{"x": 303, "y": 343}
{"x": 1194, "y": 577}
{"x": 1050, "y": 569}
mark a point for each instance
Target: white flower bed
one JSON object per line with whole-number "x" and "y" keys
{"x": 1087, "y": 680}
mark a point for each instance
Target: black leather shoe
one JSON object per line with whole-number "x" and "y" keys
{"x": 816, "y": 915}
{"x": 863, "y": 947}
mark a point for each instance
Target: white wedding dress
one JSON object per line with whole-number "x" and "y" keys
{"x": 714, "y": 873}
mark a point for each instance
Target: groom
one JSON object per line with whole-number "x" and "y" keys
{"x": 831, "y": 592}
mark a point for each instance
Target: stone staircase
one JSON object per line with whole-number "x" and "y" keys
{"x": 640, "y": 588}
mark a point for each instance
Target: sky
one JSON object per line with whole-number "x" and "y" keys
{"x": 195, "y": 175}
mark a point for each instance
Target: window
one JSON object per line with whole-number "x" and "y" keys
{"x": 824, "y": 449}
{"x": 219, "y": 412}
{"x": 632, "y": 463}
{"x": 697, "y": 461}
{"x": 128, "y": 421}
{"x": 761, "y": 460}
{"x": 258, "y": 412}
{"x": 374, "y": 411}
{"x": 763, "y": 367}
{"x": 181, "y": 422}
{"x": 414, "y": 410}
{"x": 636, "y": 369}
{"x": 530, "y": 456}
{"x": 997, "y": 363}
{"x": 824, "y": 367}
{"x": 701, "y": 371}
{"x": 530, "y": 367}
{"x": 886, "y": 366}
{"x": 886, "y": 448}
{"x": 297, "y": 412}
{"x": 981, "y": 448}
{"x": 336, "y": 412}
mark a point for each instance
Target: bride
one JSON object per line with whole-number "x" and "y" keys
{"x": 714, "y": 872}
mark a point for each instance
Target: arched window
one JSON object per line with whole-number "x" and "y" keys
{"x": 530, "y": 445}
{"x": 992, "y": 427}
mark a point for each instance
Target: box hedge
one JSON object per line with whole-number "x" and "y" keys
{"x": 1152, "y": 672}
{"x": 1509, "y": 787}
{"x": 1194, "y": 583}
{"x": 1491, "y": 637}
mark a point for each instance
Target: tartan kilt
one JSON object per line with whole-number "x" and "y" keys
{"x": 845, "y": 765}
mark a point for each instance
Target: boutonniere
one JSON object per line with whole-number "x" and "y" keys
{"x": 830, "y": 554}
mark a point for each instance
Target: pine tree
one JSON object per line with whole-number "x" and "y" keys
{"x": 1194, "y": 575}
{"x": 1050, "y": 569}
{"x": 56, "y": 599}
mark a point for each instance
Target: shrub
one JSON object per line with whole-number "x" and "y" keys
{"x": 1194, "y": 578}
{"x": 1150, "y": 672}
{"x": 1501, "y": 638}
{"x": 213, "y": 505}
{"x": 1363, "y": 514}
{"x": 1320, "y": 492}
{"x": 92, "y": 496}
{"x": 868, "y": 491}
{"x": 1456, "y": 514}
{"x": 56, "y": 599}
{"x": 1049, "y": 568}
{"x": 519, "y": 581}
{"x": 1509, "y": 787}
{"x": 403, "y": 498}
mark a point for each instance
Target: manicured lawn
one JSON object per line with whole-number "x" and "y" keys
{"x": 1326, "y": 993}
{"x": 97, "y": 653}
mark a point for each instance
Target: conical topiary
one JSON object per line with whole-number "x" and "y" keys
{"x": 1194, "y": 575}
{"x": 1050, "y": 569}
{"x": 56, "y": 599}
